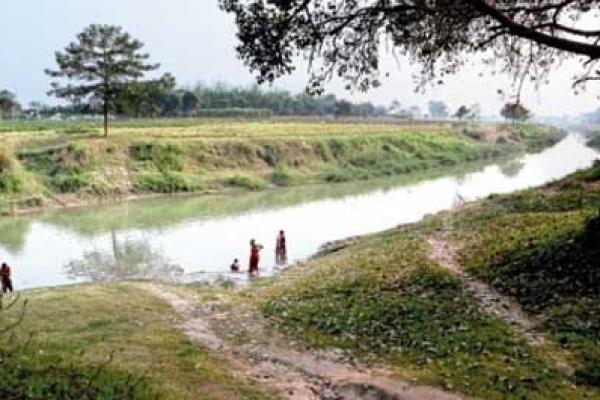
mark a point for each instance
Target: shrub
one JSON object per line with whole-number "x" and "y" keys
{"x": 68, "y": 182}
{"x": 246, "y": 182}
{"x": 168, "y": 182}
{"x": 282, "y": 176}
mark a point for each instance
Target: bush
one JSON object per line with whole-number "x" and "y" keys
{"x": 282, "y": 176}
{"x": 12, "y": 177}
{"x": 168, "y": 182}
{"x": 246, "y": 182}
{"x": 68, "y": 182}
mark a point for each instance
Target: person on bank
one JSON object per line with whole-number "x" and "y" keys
{"x": 255, "y": 249}
{"x": 280, "y": 249}
{"x": 5, "y": 277}
{"x": 235, "y": 267}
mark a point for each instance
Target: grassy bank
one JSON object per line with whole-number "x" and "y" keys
{"x": 385, "y": 300}
{"x": 59, "y": 166}
{"x": 75, "y": 330}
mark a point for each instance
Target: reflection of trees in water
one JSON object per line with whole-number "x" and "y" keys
{"x": 13, "y": 234}
{"x": 127, "y": 261}
{"x": 512, "y": 169}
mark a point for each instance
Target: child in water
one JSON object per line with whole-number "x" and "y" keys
{"x": 235, "y": 267}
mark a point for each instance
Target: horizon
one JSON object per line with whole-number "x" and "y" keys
{"x": 184, "y": 34}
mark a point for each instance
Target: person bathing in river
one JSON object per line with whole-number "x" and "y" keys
{"x": 255, "y": 249}
{"x": 280, "y": 249}
{"x": 235, "y": 267}
{"x": 6, "y": 278}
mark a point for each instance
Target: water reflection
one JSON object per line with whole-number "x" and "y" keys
{"x": 130, "y": 260}
{"x": 512, "y": 168}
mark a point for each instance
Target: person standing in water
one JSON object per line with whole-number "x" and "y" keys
{"x": 255, "y": 249}
{"x": 6, "y": 279}
{"x": 280, "y": 249}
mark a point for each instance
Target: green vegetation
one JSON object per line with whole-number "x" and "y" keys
{"x": 191, "y": 155}
{"x": 75, "y": 330}
{"x": 383, "y": 298}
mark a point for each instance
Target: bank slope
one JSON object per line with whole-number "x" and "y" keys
{"x": 58, "y": 169}
{"x": 387, "y": 299}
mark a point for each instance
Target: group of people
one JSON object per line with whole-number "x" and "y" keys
{"x": 255, "y": 249}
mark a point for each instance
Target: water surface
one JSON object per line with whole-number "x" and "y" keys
{"x": 194, "y": 238}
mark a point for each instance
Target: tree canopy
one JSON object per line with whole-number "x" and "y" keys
{"x": 8, "y": 103}
{"x": 99, "y": 66}
{"x": 515, "y": 112}
{"x": 345, "y": 37}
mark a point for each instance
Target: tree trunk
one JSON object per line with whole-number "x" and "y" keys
{"x": 105, "y": 111}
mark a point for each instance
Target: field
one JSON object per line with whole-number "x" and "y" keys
{"x": 53, "y": 164}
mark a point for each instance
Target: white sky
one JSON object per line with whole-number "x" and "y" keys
{"x": 195, "y": 41}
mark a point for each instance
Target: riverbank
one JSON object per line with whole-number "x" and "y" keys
{"x": 440, "y": 307}
{"x": 57, "y": 169}
{"x": 448, "y": 303}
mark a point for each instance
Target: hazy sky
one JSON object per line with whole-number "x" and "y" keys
{"x": 195, "y": 41}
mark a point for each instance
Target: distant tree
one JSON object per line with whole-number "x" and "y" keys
{"x": 438, "y": 109}
{"x": 8, "y": 103}
{"x": 515, "y": 112}
{"x": 189, "y": 102}
{"x": 474, "y": 112}
{"x": 416, "y": 112}
{"x": 99, "y": 66}
{"x": 343, "y": 108}
{"x": 395, "y": 107}
{"x": 461, "y": 113}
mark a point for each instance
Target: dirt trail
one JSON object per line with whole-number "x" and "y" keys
{"x": 444, "y": 253}
{"x": 305, "y": 375}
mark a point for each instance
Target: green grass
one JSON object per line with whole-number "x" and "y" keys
{"x": 83, "y": 325}
{"x": 384, "y": 300}
{"x": 191, "y": 155}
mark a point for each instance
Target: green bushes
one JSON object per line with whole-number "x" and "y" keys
{"x": 68, "y": 182}
{"x": 12, "y": 177}
{"x": 246, "y": 182}
{"x": 167, "y": 182}
{"x": 165, "y": 156}
{"x": 282, "y": 176}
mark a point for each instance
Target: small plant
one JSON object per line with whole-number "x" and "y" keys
{"x": 246, "y": 182}
{"x": 282, "y": 176}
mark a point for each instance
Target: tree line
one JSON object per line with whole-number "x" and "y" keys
{"x": 104, "y": 71}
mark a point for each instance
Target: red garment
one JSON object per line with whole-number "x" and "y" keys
{"x": 254, "y": 258}
{"x": 5, "y": 272}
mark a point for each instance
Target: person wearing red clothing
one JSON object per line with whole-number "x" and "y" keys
{"x": 280, "y": 249}
{"x": 255, "y": 249}
{"x": 5, "y": 278}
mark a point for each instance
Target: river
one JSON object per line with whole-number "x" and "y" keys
{"x": 196, "y": 238}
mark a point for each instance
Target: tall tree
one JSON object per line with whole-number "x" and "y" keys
{"x": 343, "y": 37}
{"x": 99, "y": 66}
{"x": 8, "y": 103}
{"x": 515, "y": 112}
{"x": 462, "y": 112}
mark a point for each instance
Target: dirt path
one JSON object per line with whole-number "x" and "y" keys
{"x": 298, "y": 375}
{"x": 444, "y": 253}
